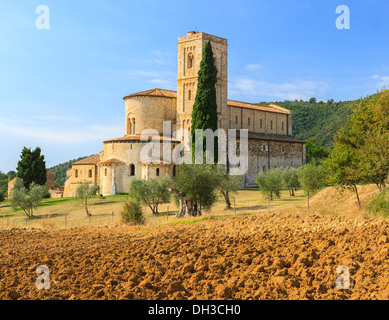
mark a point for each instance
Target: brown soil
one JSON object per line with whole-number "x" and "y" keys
{"x": 270, "y": 256}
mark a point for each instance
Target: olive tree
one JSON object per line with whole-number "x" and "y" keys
{"x": 229, "y": 184}
{"x": 290, "y": 179}
{"x": 270, "y": 184}
{"x": 151, "y": 192}
{"x": 196, "y": 187}
{"x": 27, "y": 199}
{"x": 84, "y": 191}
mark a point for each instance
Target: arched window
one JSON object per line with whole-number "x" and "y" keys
{"x": 157, "y": 172}
{"x": 132, "y": 170}
{"x": 189, "y": 95}
{"x": 105, "y": 172}
{"x": 76, "y": 173}
{"x": 133, "y": 126}
{"x": 190, "y": 61}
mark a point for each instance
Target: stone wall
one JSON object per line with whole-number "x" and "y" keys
{"x": 266, "y": 154}
{"x": 129, "y": 154}
{"x": 148, "y": 113}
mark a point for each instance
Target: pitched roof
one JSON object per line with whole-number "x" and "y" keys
{"x": 156, "y": 92}
{"x": 233, "y": 103}
{"x": 90, "y": 160}
{"x": 135, "y": 138}
{"x": 247, "y": 105}
{"x": 272, "y": 137}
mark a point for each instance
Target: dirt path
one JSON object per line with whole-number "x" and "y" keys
{"x": 289, "y": 256}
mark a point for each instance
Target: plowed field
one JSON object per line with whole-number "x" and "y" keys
{"x": 269, "y": 256}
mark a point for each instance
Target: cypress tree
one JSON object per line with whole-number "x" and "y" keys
{"x": 204, "y": 114}
{"x": 32, "y": 167}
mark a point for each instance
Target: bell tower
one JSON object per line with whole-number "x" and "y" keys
{"x": 190, "y": 50}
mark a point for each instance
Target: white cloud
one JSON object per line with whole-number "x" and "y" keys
{"x": 254, "y": 66}
{"x": 52, "y": 133}
{"x": 261, "y": 90}
{"x": 381, "y": 80}
{"x": 161, "y": 57}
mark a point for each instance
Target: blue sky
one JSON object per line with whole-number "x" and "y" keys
{"x": 62, "y": 88}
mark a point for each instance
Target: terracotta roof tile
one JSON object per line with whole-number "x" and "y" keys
{"x": 90, "y": 160}
{"x": 270, "y": 108}
{"x": 155, "y": 93}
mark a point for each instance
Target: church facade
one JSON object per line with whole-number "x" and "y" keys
{"x": 270, "y": 140}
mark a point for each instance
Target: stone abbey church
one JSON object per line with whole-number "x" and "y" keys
{"x": 270, "y": 143}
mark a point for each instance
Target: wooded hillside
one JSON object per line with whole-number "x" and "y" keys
{"x": 320, "y": 120}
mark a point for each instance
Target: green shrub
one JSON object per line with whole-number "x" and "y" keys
{"x": 270, "y": 183}
{"x": 132, "y": 213}
{"x": 380, "y": 204}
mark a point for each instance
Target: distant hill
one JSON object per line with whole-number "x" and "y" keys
{"x": 60, "y": 170}
{"x": 320, "y": 120}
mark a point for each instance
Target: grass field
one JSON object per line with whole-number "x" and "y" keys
{"x": 68, "y": 212}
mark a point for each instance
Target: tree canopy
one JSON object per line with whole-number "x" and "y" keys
{"x": 270, "y": 183}
{"x": 151, "y": 192}
{"x": 32, "y": 167}
{"x": 361, "y": 148}
{"x": 27, "y": 198}
{"x": 196, "y": 187}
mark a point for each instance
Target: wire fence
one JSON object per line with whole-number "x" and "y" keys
{"x": 59, "y": 221}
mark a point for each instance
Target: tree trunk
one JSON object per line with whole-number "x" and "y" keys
{"x": 356, "y": 192}
{"x": 154, "y": 209}
{"x": 181, "y": 198}
{"x": 227, "y": 199}
{"x": 187, "y": 207}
